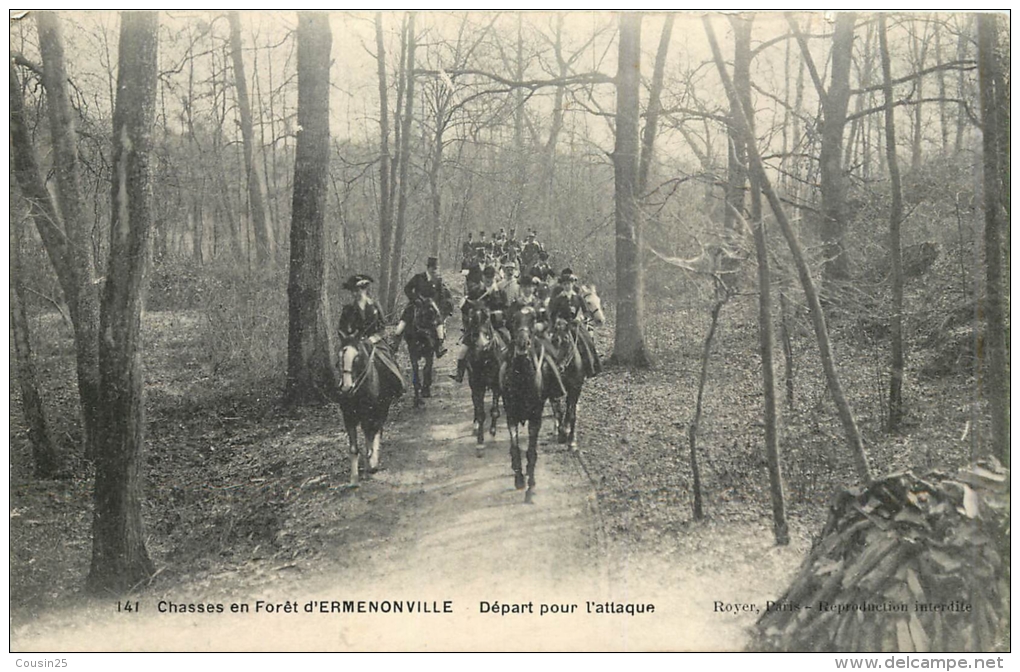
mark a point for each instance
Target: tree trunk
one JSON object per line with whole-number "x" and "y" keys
{"x": 736, "y": 170}
{"x": 45, "y": 459}
{"x": 692, "y": 430}
{"x": 518, "y": 215}
{"x": 630, "y": 347}
{"x": 997, "y": 371}
{"x": 80, "y": 292}
{"x": 264, "y": 252}
{"x": 836, "y": 101}
{"x": 309, "y": 349}
{"x": 405, "y": 159}
{"x": 766, "y": 342}
{"x": 435, "y": 178}
{"x": 920, "y": 49}
{"x": 817, "y": 316}
{"x": 385, "y": 214}
{"x": 895, "y": 253}
{"x": 943, "y": 114}
{"x": 388, "y": 286}
{"x": 654, "y": 105}
{"x": 961, "y": 84}
{"x": 119, "y": 558}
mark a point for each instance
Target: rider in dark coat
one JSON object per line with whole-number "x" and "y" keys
{"x": 567, "y": 307}
{"x": 361, "y": 322}
{"x": 486, "y": 290}
{"x": 427, "y": 286}
{"x": 467, "y": 254}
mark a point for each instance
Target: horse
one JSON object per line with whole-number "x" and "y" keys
{"x": 367, "y": 389}
{"x": 528, "y": 380}
{"x": 592, "y": 304}
{"x": 484, "y": 356}
{"x": 576, "y": 362}
{"x": 421, "y": 337}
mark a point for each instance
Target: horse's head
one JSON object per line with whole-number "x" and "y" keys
{"x": 479, "y": 324}
{"x": 523, "y": 328}
{"x": 352, "y": 361}
{"x": 426, "y": 314}
{"x": 592, "y": 304}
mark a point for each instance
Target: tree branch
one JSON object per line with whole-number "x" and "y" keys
{"x": 584, "y": 78}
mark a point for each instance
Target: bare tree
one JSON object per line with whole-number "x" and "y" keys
{"x": 997, "y": 370}
{"x": 834, "y": 101}
{"x": 895, "y": 252}
{"x": 405, "y": 159}
{"x": 385, "y": 199}
{"x": 45, "y": 459}
{"x": 80, "y": 278}
{"x": 630, "y": 349}
{"x": 119, "y": 557}
{"x": 309, "y": 347}
{"x": 264, "y": 243}
{"x": 654, "y": 105}
{"x": 846, "y": 417}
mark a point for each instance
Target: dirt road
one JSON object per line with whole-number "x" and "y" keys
{"x": 453, "y": 536}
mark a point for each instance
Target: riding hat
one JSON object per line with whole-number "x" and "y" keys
{"x": 489, "y": 272}
{"x": 432, "y": 262}
{"x": 567, "y": 275}
{"x": 474, "y": 274}
{"x": 357, "y": 281}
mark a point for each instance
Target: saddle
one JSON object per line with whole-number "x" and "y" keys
{"x": 374, "y": 353}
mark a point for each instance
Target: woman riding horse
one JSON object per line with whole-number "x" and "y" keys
{"x": 371, "y": 379}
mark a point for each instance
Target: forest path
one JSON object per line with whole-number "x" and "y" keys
{"x": 441, "y": 525}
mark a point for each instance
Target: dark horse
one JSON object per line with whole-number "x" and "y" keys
{"x": 422, "y": 335}
{"x": 368, "y": 387}
{"x": 486, "y": 351}
{"x": 576, "y": 362}
{"x": 528, "y": 380}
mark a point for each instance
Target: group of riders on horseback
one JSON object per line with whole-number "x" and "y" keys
{"x": 526, "y": 338}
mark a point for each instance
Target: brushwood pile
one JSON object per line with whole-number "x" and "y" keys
{"x": 904, "y": 564}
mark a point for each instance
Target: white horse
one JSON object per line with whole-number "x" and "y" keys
{"x": 592, "y": 304}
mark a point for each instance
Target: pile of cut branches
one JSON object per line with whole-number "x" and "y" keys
{"x": 904, "y": 564}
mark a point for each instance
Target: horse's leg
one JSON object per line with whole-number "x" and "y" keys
{"x": 515, "y": 453}
{"x": 427, "y": 386}
{"x": 415, "y": 377}
{"x": 373, "y": 440}
{"x": 494, "y": 411}
{"x": 572, "y": 416}
{"x": 534, "y": 427}
{"x": 559, "y": 413}
{"x": 478, "y": 404}
{"x": 352, "y": 447}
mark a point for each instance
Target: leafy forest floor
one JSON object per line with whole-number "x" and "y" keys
{"x": 242, "y": 493}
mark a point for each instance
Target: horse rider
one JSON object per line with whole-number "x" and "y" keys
{"x": 541, "y": 268}
{"x": 530, "y": 299}
{"x": 511, "y": 285}
{"x": 361, "y": 322}
{"x": 467, "y": 252}
{"x": 474, "y": 290}
{"x": 567, "y": 307}
{"x": 530, "y": 250}
{"x": 427, "y": 286}
{"x": 494, "y": 299}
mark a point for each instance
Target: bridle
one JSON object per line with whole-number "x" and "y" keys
{"x": 360, "y": 380}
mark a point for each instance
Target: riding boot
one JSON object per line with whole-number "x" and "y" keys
{"x": 440, "y": 349}
{"x": 461, "y": 368}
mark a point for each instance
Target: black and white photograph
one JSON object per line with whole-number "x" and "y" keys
{"x": 510, "y": 331}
